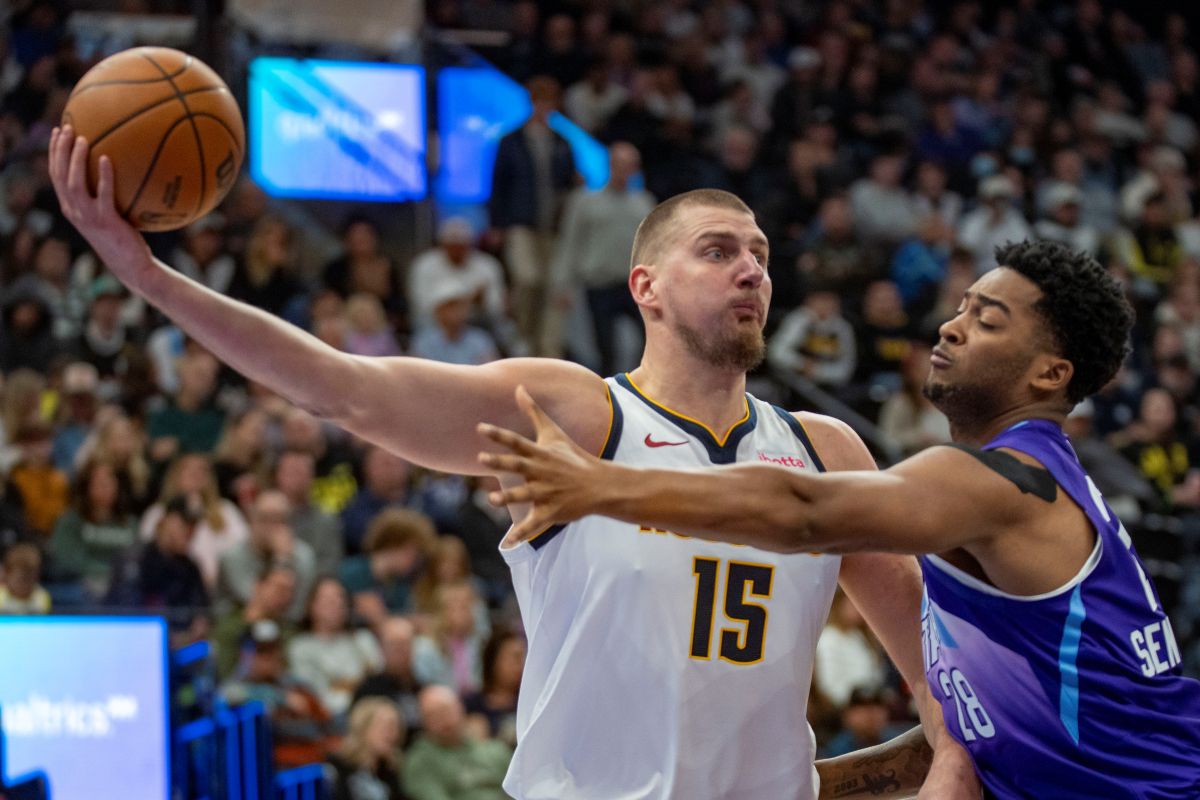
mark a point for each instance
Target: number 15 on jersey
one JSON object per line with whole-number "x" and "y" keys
{"x": 742, "y": 644}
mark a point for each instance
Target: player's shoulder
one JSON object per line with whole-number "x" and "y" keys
{"x": 836, "y": 443}
{"x": 574, "y": 396}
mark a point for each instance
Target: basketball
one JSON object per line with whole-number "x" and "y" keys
{"x": 171, "y": 128}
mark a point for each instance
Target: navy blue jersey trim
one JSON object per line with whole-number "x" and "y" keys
{"x": 802, "y": 435}
{"x": 610, "y": 449}
{"x": 718, "y": 452}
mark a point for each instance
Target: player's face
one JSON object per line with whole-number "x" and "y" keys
{"x": 715, "y": 286}
{"x": 986, "y": 357}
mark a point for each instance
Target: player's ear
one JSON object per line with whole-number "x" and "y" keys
{"x": 1052, "y": 374}
{"x": 642, "y": 284}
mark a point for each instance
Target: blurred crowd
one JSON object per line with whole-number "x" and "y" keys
{"x": 886, "y": 148}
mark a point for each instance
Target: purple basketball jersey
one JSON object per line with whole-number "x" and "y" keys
{"x": 1076, "y": 693}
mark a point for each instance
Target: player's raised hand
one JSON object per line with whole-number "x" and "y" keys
{"x": 118, "y": 244}
{"x": 558, "y": 474}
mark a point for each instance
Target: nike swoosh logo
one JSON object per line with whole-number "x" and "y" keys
{"x": 651, "y": 443}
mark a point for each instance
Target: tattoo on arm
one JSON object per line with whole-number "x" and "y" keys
{"x": 894, "y": 768}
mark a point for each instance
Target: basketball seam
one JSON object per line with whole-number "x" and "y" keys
{"x": 150, "y": 169}
{"x": 156, "y": 104}
{"x": 223, "y": 124}
{"x": 127, "y": 81}
{"x": 195, "y": 132}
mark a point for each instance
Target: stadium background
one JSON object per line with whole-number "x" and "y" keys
{"x": 885, "y": 147}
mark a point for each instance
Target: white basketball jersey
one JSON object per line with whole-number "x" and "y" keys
{"x": 661, "y": 666}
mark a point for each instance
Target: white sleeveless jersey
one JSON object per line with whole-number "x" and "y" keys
{"x": 661, "y": 666}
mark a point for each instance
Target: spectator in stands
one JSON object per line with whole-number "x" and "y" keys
{"x": 1166, "y": 456}
{"x": 908, "y": 417}
{"x": 864, "y": 724}
{"x": 273, "y": 596}
{"x": 202, "y": 255}
{"x": 118, "y": 441}
{"x": 448, "y": 564}
{"x": 302, "y": 730}
{"x": 265, "y": 276}
{"x": 833, "y": 256}
{"x": 21, "y": 396}
{"x": 884, "y": 336}
{"x": 364, "y": 269}
{"x": 446, "y": 763}
{"x": 457, "y": 260}
{"x": 919, "y": 264}
{"x": 242, "y": 451}
{"x": 336, "y": 463}
{"x": 380, "y": 581}
{"x": 492, "y": 711}
{"x": 104, "y": 342}
{"x": 322, "y": 531}
{"x": 160, "y": 576}
{"x": 20, "y": 591}
{"x": 1124, "y": 487}
{"x": 534, "y": 169}
{"x": 591, "y": 101}
{"x": 367, "y": 331}
{"x": 44, "y": 490}
{"x": 77, "y": 413}
{"x": 1062, "y": 222}
{"x": 738, "y": 170}
{"x": 946, "y": 140}
{"x": 367, "y": 765}
{"x": 271, "y": 543}
{"x": 191, "y": 422}
{"x": 815, "y": 341}
{"x": 451, "y": 654}
{"x": 597, "y": 233}
{"x": 27, "y": 337}
{"x": 847, "y": 658}
{"x": 1150, "y": 246}
{"x": 395, "y": 681}
{"x": 385, "y": 484}
{"x": 1180, "y": 310}
{"x": 451, "y": 338}
{"x": 884, "y": 213}
{"x": 327, "y": 655}
{"x": 995, "y": 222}
{"x": 221, "y": 526}
{"x": 98, "y": 527}
{"x": 932, "y": 194}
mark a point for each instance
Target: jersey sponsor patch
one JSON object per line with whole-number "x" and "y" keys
{"x": 782, "y": 460}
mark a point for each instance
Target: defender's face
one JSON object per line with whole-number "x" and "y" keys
{"x": 985, "y": 357}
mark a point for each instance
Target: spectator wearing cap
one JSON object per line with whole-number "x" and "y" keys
{"x": 202, "y": 255}
{"x": 104, "y": 342}
{"x": 995, "y": 222}
{"x": 98, "y": 527}
{"x": 534, "y": 170}
{"x": 455, "y": 259}
{"x": 302, "y": 729}
{"x": 159, "y": 576}
{"x": 597, "y": 235}
{"x": 1149, "y": 246}
{"x": 77, "y": 413}
{"x": 451, "y": 338}
{"x": 1062, "y": 221}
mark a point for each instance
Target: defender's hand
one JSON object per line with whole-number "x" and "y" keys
{"x": 118, "y": 244}
{"x": 561, "y": 478}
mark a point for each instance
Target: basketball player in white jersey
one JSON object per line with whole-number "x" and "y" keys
{"x": 658, "y": 667}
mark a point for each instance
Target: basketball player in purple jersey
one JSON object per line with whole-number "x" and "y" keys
{"x": 1044, "y": 639}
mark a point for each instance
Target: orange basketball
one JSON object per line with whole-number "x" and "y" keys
{"x": 170, "y": 126}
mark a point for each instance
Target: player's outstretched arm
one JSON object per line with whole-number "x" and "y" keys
{"x": 896, "y": 768}
{"x": 929, "y": 503}
{"x": 422, "y": 410}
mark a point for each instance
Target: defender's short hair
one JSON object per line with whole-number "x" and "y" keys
{"x": 1083, "y": 306}
{"x": 652, "y": 230}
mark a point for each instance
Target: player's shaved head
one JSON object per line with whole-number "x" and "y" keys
{"x": 653, "y": 232}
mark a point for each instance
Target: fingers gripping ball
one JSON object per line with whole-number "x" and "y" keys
{"x": 171, "y": 128}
